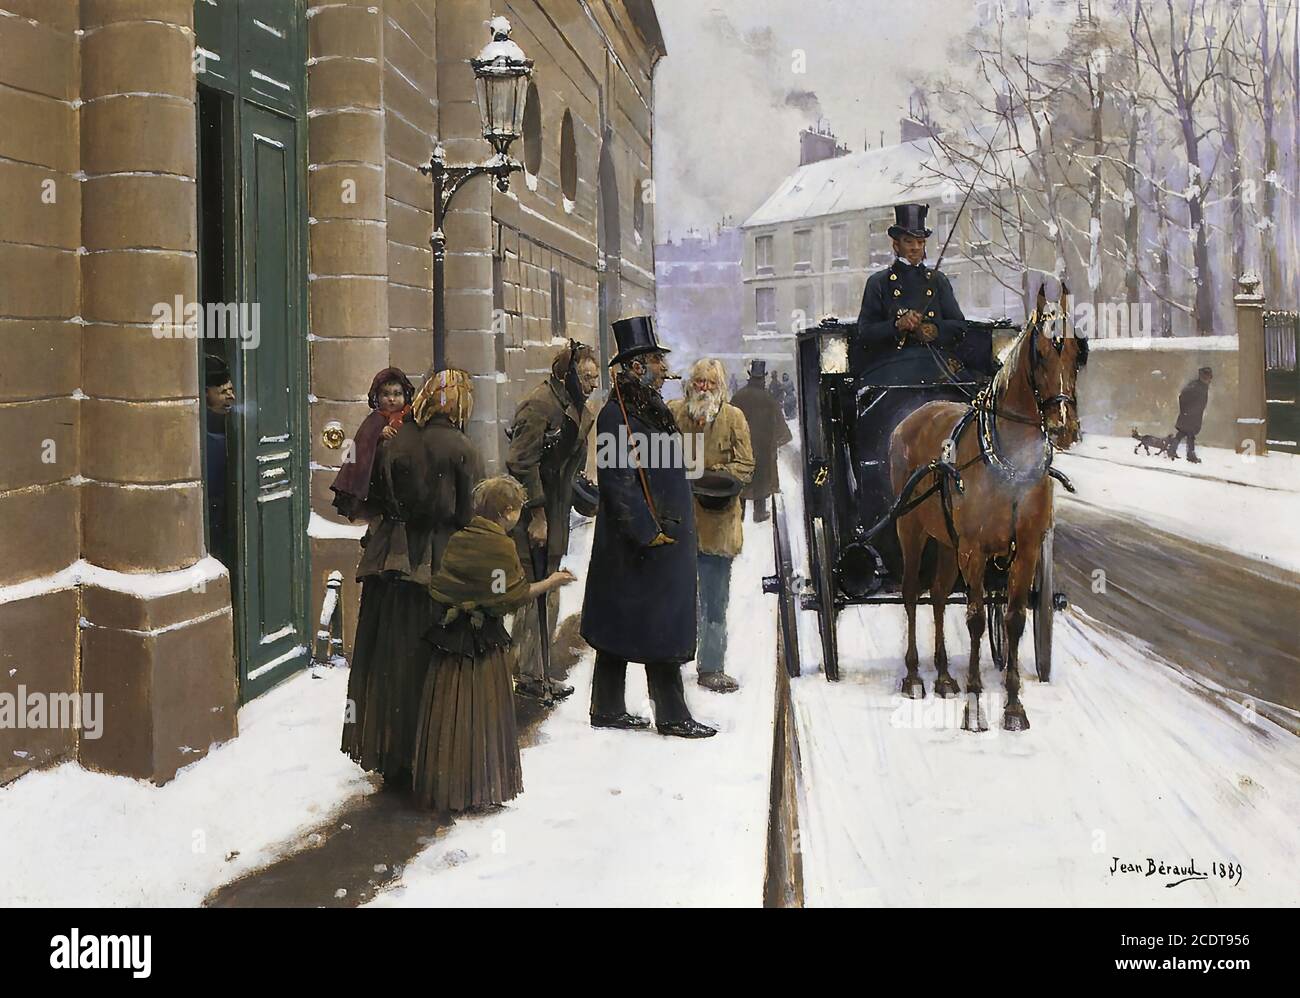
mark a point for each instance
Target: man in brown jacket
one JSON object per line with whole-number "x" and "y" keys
{"x": 548, "y": 447}
{"x": 768, "y": 432}
{"x": 716, "y": 438}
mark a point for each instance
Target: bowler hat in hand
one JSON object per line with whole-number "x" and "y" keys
{"x": 909, "y": 220}
{"x": 716, "y": 489}
{"x": 586, "y": 497}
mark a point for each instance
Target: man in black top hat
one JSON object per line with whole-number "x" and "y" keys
{"x": 640, "y": 601}
{"x": 907, "y": 308}
{"x": 1191, "y": 411}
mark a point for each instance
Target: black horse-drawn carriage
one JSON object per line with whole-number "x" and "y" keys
{"x": 849, "y": 504}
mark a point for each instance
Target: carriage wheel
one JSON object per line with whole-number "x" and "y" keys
{"x": 1044, "y": 609}
{"x": 787, "y": 609}
{"x": 826, "y": 599}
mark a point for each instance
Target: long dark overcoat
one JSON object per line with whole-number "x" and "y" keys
{"x": 888, "y": 293}
{"x": 1191, "y": 406}
{"x": 768, "y": 431}
{"x": 640, "y": 602}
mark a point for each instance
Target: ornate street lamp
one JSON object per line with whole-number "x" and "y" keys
{"x": 501, "y": 74}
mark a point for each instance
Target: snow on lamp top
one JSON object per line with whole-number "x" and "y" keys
{"x": 501, "y": 73}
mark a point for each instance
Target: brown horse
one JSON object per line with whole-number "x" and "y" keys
{"x": 991, "y": 459}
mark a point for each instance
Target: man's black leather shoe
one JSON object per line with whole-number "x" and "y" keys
{"x": 690, "y": 728}
{"x": 624, "y": 720}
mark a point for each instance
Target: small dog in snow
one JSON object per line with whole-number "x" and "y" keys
{"x": 1161, "y": 445}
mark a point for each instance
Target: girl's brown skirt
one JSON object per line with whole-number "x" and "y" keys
{"x": 467, "y": 744}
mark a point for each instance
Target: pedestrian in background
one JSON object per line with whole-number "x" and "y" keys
{"x": 768, "y": 431}
{"x": 1191, "y": 410}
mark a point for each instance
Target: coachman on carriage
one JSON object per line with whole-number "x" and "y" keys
{"x": 927, "y": 467}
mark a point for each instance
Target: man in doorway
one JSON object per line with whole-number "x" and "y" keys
{"x": 219, "y": 396}
{"x": 1191, "y": 410}
{"x": 768, "y": 432}
{"x": 548, "y": 447}
{"x": 640, "y": 602}
{"x": 718, "y": 438}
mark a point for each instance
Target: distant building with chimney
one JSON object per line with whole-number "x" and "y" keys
{"x": 810, "y": 247}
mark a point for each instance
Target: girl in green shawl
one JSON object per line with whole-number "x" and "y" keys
{"x": 467, "y": 744}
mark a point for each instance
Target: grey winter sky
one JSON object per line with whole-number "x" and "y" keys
{"x": 730, "y": 101}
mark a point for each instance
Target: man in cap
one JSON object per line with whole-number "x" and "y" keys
{"x": 907, "y": 307}
{"x": 548, "y": 447}
{"x": 640, "y": 601}
{"x": 219, "y": 395}
{"x": 768, "y": 432}
{"x": 1191, "y": 410}
{"x": 718, "y": 436}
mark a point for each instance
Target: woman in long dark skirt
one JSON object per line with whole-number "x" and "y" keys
{"x": 422, "y": 484}
{"x": 467, "y": 743}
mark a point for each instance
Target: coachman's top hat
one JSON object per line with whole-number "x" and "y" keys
{"x": 909, "y": 220}
{"x": 634, "y": 337}
{"x": 758, "y": 368}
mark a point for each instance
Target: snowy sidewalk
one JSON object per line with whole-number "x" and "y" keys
{"x": 1245, "y": 506}
{"x": 73, "y": 838}
{"x": 616, "y": 818}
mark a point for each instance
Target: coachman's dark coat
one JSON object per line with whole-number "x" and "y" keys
{"x": 640, "y": 603}
{"x": 890, "y": 292}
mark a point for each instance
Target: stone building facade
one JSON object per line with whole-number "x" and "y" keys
{"x": 265, "y": 152}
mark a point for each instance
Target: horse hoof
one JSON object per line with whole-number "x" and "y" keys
{"x": 914, "y": 688}
{"x": 972, "y": 718}
{"x": 1015, "y": 719}
{"x": 945, "y": 688}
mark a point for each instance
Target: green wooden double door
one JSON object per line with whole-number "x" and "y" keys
{"x": 252, "y": 233}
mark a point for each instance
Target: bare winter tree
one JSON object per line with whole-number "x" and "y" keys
{"x": 1182, "y": 47}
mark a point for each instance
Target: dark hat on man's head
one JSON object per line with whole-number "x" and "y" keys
{"x": 634, "y": 337}
{"x": 715, "y": 489}
{"x": 1206, "y": 370}
{"x": 758, "y": 368}
{"x": 909, "y": 220}
{"x": 215, "y": 371}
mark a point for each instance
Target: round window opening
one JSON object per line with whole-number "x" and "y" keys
{"x": 568, "y": 159}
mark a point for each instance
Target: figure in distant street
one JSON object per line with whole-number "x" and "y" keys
{"x": 789, "y": 398}
{"x": 466, "y": 753}
{"x": 548, "y": 449}
{"x": 721, "y": 446}
{"x": 422, "y": 483}
{"x": 1191, "y": 410}
{"x": 640, "y": 602}
{"x": 768, "y": 431}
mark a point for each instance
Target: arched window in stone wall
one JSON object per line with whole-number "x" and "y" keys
{"x": 533, "y": 131}
{"x": 568, "y": 158}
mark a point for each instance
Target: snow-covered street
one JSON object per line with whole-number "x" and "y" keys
{"x": 1128, "y": 757}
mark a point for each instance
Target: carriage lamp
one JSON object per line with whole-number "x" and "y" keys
{"x": 501, "y": 75}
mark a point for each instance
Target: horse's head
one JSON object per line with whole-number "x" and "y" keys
{"x": 1056, "y": 354}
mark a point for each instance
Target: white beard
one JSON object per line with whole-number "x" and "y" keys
{"x": 703, "y": 407}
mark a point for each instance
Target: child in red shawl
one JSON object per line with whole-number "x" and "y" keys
{"x": 390, "y": 397}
